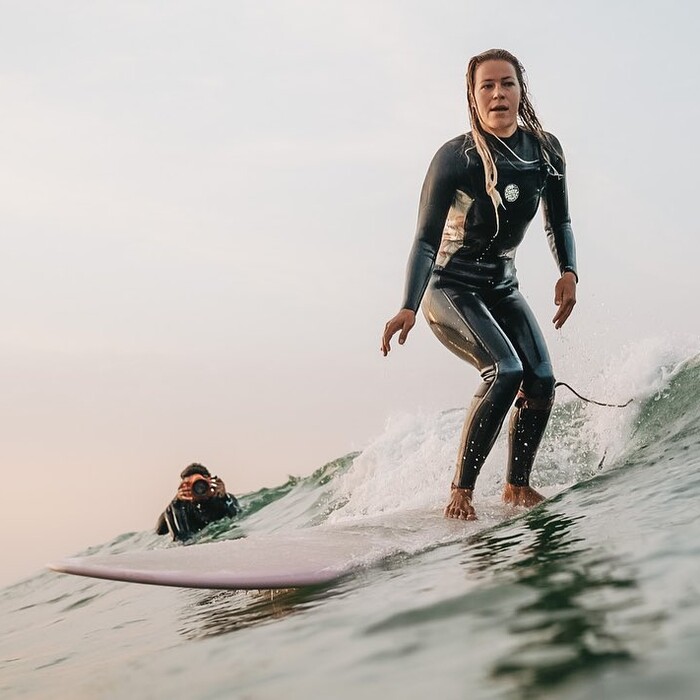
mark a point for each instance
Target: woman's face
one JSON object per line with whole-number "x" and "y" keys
{"x": 497, "y": 94}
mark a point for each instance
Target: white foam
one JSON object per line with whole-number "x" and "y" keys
{"x": 411, "y": 464}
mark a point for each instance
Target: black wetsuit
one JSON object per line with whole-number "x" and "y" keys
{"x": 185, "y": 518}
{"x": 465, "y": 267}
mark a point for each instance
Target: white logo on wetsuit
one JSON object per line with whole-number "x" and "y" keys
{"x": 512, "y": 192}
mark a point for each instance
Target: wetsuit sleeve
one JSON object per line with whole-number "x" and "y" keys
{"x": 233, "y": 506}
{"x": 435, "y": 200}
{"x": 220, "y": 507}
{"x": 161, "y": 525}
{"x": 183, "y": 519}
{"x": 557, "y": 221}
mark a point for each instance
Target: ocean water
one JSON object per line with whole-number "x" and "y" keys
{"x": 593, "y": 594}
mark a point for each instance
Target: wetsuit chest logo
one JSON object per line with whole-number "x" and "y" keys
{"x": 512, "y": 192}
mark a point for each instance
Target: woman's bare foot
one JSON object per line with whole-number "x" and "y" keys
{"x": 521, "y": 495}
{"x": 460, "y": 505}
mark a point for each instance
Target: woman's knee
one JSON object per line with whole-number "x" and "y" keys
{"x": 538, "y": 383}
{"x": 504, "y": 379}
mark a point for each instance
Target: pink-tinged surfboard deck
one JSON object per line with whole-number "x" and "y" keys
{"x": 305, "y": 558}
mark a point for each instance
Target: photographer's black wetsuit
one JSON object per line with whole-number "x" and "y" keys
{"x": 465, "y": 267}
{"x": 182, "y": 519}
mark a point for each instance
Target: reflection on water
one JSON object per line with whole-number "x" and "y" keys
{"x": 576, "y": 622}
{"x": 212, "y": 613}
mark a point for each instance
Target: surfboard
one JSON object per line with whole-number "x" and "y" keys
{"x": 261, "y": 562}
{"x": 306, "y": 557}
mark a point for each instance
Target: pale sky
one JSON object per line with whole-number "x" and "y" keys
{"x": 206, "y": 212}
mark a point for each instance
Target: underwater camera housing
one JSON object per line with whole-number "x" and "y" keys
{"x": 202, "y": 488}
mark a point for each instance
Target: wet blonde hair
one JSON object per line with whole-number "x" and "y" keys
{"x": 526, "y": 117}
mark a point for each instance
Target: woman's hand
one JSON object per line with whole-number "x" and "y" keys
{"x": 403, "y": 321}
{"x": 564, "y": 298}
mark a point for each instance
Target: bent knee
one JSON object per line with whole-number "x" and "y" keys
{"x": 539, "y": 383}
{"x": 504, "y": 377}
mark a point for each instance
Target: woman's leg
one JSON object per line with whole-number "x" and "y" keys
{"x": 534, "y": 403}
{"x": 464, "y": 324}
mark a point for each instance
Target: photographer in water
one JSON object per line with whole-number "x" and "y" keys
{"x": 200, "y": 499}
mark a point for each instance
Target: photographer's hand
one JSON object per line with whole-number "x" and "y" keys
{"x": 184, "y": 491}
{"x": 219, "y": 487}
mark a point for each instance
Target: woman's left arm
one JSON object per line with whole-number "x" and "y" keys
{"x": 560, "y": 234}
{"x": 564, "y": 298}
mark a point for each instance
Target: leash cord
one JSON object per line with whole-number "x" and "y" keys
{"x": 597, "y": 403}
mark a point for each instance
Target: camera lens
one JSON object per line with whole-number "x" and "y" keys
{"x": 200, "y": 487}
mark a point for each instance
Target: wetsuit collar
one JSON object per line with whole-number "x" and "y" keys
{"x": 511, "y": 140}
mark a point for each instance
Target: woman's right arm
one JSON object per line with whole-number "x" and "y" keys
{"x": 435, "y": 200}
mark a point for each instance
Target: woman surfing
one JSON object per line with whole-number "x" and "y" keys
{"x": 480, "y": 194}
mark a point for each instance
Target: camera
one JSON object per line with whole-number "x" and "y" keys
{"x": 202, "y": 488}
